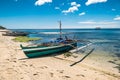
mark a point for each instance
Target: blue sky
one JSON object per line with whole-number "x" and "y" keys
{"x": 45, "y": 14}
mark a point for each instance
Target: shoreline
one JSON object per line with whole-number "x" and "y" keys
{"x": 14, "y": 65}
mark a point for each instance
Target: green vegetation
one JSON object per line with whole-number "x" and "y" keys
{"x": 1, "y": 27}
{"x": 25, "y": 39}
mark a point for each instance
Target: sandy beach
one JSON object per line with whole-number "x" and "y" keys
{"x": 14, "y": 65}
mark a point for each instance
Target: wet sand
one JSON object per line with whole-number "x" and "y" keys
{"x": 14, "y": 65}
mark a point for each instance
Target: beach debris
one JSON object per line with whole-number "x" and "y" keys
{"x": 67, "y": 54}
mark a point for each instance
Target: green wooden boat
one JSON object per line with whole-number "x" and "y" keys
{"x": 38, "y": 51}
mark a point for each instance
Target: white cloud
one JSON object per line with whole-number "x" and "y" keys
{"x": 81, "y": 14}
{"x": 71, "y": 9}
{"x": 57, "y": 8}
{"x": 97, "y": 23}
{"x": 117, "y": 18}
{"x": 87, "y": 22}
{"x": 74, "y": 7}
{"x": 113, "y": 9}
{"x": 41, "y": 2}
{"x": 16, "y": 0}
{"x": 89, "y": 2}
{"x": 75, "y": 4}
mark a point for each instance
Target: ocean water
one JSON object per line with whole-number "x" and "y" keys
{"x": 106, "y": 42}
{"x": 104, "y": 39}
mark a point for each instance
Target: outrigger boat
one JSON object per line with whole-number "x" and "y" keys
{"x": 51, "y": 47}
{"x": 37, "y": 51}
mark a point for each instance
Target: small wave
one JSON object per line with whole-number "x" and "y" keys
{"x": 98, "y": 40}
{"x": 52, "y": 33}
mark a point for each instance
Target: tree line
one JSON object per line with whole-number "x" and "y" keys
{"x": 1, "y": 27}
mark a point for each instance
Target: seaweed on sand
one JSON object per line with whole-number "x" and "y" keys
{"x": 67, "y": 54}
{"x": 118, "y": 67}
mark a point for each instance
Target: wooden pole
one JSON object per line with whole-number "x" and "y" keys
{"x": 83, "y": 57}
{"x": 60, "y": 29}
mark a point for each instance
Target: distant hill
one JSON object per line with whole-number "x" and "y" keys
{"x": 1, "y": 27}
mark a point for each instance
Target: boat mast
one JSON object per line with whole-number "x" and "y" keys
{"x": 60, "y": 29}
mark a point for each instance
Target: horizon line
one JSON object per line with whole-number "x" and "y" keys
{"x": 64, "y": 28}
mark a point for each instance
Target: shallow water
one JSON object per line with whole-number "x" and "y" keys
{"x": 105, "y": 41}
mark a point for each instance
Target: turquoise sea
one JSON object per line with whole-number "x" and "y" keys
{"x": 104, "y": 39}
